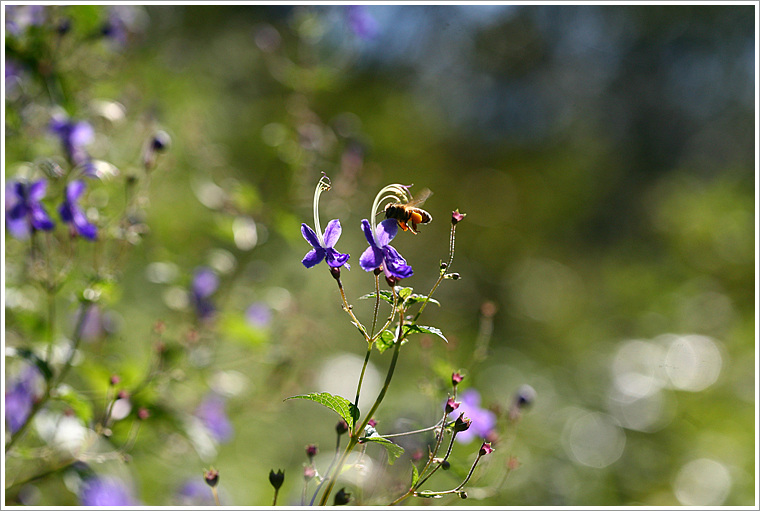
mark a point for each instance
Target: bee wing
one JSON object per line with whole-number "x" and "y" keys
{"x": 421, "y": 198}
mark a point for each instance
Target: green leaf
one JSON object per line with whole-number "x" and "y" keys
{"x": 32, "y": 358}
{"x": 384, "y": 295}
{"x": 79, "y": 404}
{"x": 394, "y": 450}
{"x": 405, "y": 292}
{"x": 385, "y": 340}
{"x": 415, "y": 475}
{"x": 415, "y": 298}
{"x": 338, "y": 404}
{"x": 420, "y": 329}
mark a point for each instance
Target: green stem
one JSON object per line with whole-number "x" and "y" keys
{"x": 53, "y": 383}
{"x": 355, "y": 434}
{"x": 361, "y": 376}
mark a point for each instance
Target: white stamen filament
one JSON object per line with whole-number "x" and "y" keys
{"x": 322, "y": 186}
{"x": 395, "y": 193}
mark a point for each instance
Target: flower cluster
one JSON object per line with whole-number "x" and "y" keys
{"x": 378, "y": 256}
{"x": 25, "y": 213}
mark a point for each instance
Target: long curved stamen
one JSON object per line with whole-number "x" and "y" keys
{"x": 322, "y": 186}
{"x": 395, "y": 193}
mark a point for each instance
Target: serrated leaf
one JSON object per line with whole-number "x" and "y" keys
{"x": 384, "y": 295}
{"x": 385, "y": 340}
{"x": 415, "y": 475}
{"x": 415, "y": 298}
{"x": 394, "y": 450}
{"x": 405, "y": 292}
{"x": 421, "y": 329}
{"x": 82, "y": 407}
{"x": 338, "y": 404}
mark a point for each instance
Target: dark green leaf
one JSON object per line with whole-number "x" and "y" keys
{"x": 384, "y": 295}
{"x": 338, "y": 404}
{"x": 394, "y": 450}
{"x": 415, "y": 298}
{"x": 420, "y": 329}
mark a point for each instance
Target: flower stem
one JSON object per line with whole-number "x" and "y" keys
{"x": 361, "y": 376}
{"x": 355, "y": 434}
{"x": 53, "y": 382}
{"x": 216, "y": 495}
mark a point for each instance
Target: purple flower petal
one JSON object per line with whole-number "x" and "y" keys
{"x": 81, "y": 134}
{"x": 395, "y": 265}
{"x": 205, "y": 282}
{"x": 212, "y": 413}
{"x": 74, "y": 190}
{"x": 37, "y": 190}
{"x": 371, "y": 259}
{"x": 314, "y": 257}
{"x": 310, "y": 236}
{"x": 332, "y": 233}
{"x": 105, "y": 491}
{"x": 335, "y": 259}
{"x": 40, "y": 218}
{"x": 368, "y": 233}
{"x": 386, "y": 231}
{"x": 258, "y": 314}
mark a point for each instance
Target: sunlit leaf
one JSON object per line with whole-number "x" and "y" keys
{"x": 338, "y": 404}
{"x": 394, "y": 450}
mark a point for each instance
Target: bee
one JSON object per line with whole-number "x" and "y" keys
{"x": 409, "y": 215}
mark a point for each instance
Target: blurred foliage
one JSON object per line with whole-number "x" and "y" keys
{"x": 603, "y": 155}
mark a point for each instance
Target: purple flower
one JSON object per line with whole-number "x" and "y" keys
{"x": 19, "y": 17}
{"x": 362, "y": 23}
{"x": 323, "y": 246}
{"x": 380, "y": 254}
{"x": 194, "y": 492}
{"x": 74, "y": 136}
{"x": 23, "y": 210}
{"x": 73, "y": 215}
{"x": 105, "y": 491}
{"x": 211, "y": 412}
{"x": 258, "y": 315}
{"x": 20, "y": 396}
{"x": 204, "y": 285}
{"x": 483, "y": 421}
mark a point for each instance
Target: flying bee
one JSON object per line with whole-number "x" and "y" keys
{"x": 409, "y": 215}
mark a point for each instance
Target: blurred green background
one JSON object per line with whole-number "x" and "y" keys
{"x": 604, "y": 156}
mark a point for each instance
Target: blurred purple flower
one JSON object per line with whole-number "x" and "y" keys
{"x": 380, "y": 253}
{"x": 73, "y": 215}
{"x": 105, "y": 491}
{"x": 483, "y": 421}
{"x": 362, "y": 23}
{"x": 19, "y": 17}
{"x": 205, "y": 283}
{"x": 258, "y": 315}
{"x": 20, "y": 396}
{"x": 211, "y": 412}
{"x": 23, "y": 210}
{"x": 194, "y": 492}
{"x": 12, "y": 76}
{"x": 323, "y": 248}
{"x": 123, "y": 20}
{"x": 74, "y": 136}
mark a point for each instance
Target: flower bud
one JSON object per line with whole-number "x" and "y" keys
{"x": 462, "y": 423}
{"x": 123, "y": 394}
{"x": 485, "y": 449}
{"x": 462, "y": 494}
{"x": 309, "y": 472}
{"x": 342, "y": 497}
{"x": 451, "y": 405}
{"x": 335, "y": 272}
{"x": 211, "y": 477}
{"x": 114, "y": 379}
{"x": 161, "y": 141}
{"x": 445, "y": 465}
{"x": 341, "y": 427}
{"x": 311, "y": 451}
{"x": 523, "y": 398}
{"x": 457, "y": 217}
{"x": 276, "y": 479}
{"x": 143, "y": 414}
{"x": 456, "y": 379}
